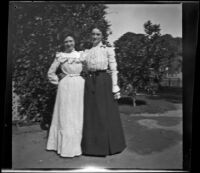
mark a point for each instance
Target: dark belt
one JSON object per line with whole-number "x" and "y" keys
{"x": 97, "y": 72}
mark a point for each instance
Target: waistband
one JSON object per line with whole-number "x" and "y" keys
{"x": 72, "y": 75}
{"x": 96, "y": 72}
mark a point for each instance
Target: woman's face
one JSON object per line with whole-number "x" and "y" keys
{"x": 96, "y": 36}
{"x": 69, "y": 43}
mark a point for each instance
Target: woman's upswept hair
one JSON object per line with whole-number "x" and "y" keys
{"x": 64, "y": 34}
{"x": 102, "y": 29}
{"x": 104, "y": 33}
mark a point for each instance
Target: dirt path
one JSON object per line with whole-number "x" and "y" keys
{"x": 154, "y": 142}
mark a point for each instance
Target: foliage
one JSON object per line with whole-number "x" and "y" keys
{"x": 143, "y": 58}
{"x": 35, "y": 34}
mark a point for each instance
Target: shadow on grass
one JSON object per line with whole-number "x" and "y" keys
{"x": 173, "y": 98}
{"x": 144, "y": 140}
{"x": 145, "y": 104}
{"x": 129, "y": 101}
{"x": 173, "y": 95}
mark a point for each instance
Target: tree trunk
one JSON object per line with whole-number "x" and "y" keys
{"x": 134, "y": 99}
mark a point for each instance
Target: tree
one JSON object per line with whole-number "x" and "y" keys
{"x": 36, "y": 28}
{"x": 129, "y": 52}
{"x": 143, "y": 58}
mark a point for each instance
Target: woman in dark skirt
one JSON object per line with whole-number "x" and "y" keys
{"x": 102, "y": 129}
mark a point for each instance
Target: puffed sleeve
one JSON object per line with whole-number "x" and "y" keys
{"x": 53, "y": 78}
{"x": 113, "y": 68}
{"x": 83, "y": 55}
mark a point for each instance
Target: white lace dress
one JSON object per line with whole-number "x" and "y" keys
{"x": 66, "y": 127}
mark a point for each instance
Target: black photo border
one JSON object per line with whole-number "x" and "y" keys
{"x": 190, "y": 17}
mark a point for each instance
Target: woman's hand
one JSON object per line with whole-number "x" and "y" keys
{"x": 61, "y": 76}
{"x": 117, "y": 95}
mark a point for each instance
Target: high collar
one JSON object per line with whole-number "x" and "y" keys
{"x": 100, "y": 44}
{"x": 71, "y": 51}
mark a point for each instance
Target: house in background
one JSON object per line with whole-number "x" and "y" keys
{"x": 172, "y": 80}
{"x": 173, "y": 77}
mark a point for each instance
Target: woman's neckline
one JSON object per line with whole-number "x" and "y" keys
{"x": 69, "y": 52}
{"x": 98, "y": 45}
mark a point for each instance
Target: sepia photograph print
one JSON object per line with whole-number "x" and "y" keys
{"x": 96, "y": 85}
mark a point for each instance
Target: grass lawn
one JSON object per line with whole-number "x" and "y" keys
{"x": 147, "y": 104}
{"x": 165, "y": 101}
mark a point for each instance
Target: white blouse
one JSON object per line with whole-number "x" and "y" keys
{"x": 70, "y": 65}
{"x": 102, "y": 57}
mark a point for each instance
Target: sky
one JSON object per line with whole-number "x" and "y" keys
{"x": 131, "y": 18}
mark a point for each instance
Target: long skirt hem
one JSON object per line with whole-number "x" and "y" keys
{"x": 103, "y": 154}
{"x": 64, "y": 155}
{"x": 61, "y": 142}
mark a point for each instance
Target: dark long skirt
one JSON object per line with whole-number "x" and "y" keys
{"x": 102, "y": 129}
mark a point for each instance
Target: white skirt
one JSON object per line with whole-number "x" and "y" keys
{"x": 67, "y": 122}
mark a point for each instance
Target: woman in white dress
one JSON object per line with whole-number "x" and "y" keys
{"x": 66, "y": 127}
